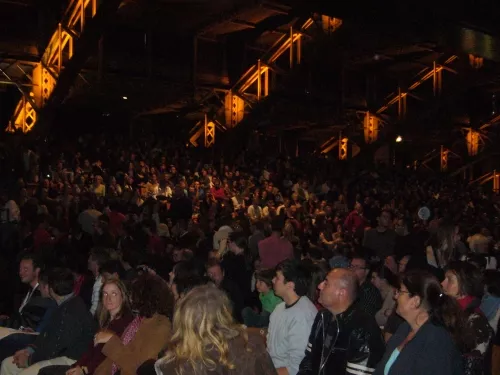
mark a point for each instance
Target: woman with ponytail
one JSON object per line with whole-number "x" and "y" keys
{"x": 433, "y": 335}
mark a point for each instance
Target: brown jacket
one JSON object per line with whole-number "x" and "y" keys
{"x": 251, "y": 360}
{"x": 151, "y": 337}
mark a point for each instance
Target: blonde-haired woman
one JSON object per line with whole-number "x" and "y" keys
{"x": 206, "y": 339}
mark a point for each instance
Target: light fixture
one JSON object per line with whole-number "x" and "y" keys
{"x": 125, "y": 98}
{"x": 399, "y": 139}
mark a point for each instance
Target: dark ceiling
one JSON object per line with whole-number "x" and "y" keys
{"x": 148, "y": 56}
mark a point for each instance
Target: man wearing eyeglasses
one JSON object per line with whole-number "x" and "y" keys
{"x": 369, "y": 296}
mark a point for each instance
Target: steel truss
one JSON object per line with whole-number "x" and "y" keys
{"x": 254, "y": 84}
{"x": 58, "y": 57}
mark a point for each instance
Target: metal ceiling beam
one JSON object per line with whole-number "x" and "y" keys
{"x": 84, "y": 47}
{"x": 243, "y": 23}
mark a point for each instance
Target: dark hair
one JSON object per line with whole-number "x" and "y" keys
{"x": 315, "y": 253}
{"x": 111, "y": 267}
{"x": 277, "y": 224}
{"x": 185, "y": 284}
{"x": 318, "y": 274}
{"x": 151, "y": 295}
{"x": 385, "y": 273}
{"x": 43, "y": 277}
{"x": 35, "y": 259}
{"x": 239, "y": 239}
{"x": 297, "y": 273}
{"x": 357, "y": 255}
{"x": 266, "y": 276}
{"x": 469, "y": 277}
{"x": 391, "y": 214}
{"x": 99, "y": 255}
{"x": 61, "y": 281}
{"x": 259, "y": 225}
{"x": 186, "y": 269}
{"x": 75, "y": 261}
{"x": 443, "y": 236}
{"x": 442, "y": 309}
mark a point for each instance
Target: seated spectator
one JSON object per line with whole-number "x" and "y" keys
{"x": 236, "y": 263}
{"x": 112, "y": 269}
{"x": 78, "y": 264}
{"x": 216, "y": 274}
{"x": 318, "y": 271}
{"x": 291, "y": 321}
{"x": 206, "y": 339}
{"x": 184, "y": 277}
{"x": 269, "y": 301}
{"x": 348, "y": 334}
{"x": 146, "y": 335}
{"x": 387, "y": 283}
{"x": 463, "y": 281}
{"x": 17, "y": 341}
{"x": 275, "y": 249}
{"x": 33, "y": 307}
{"x": 382, "y": 239}
{"x": 98, "y": 257}
{"x": 340, "y": 257}
{"x": 490, "y": 304}
{"x": 369, "y": 297}
{"x": 429, "y": 340}
{"x": 114, "y": 314}
{"x": 181, "y": 286}
{"x": 66, "y": 336}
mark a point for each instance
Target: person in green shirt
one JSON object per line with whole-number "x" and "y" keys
{"x": 268, "y": 300}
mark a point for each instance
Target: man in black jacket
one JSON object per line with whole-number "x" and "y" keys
{"x": 16, "y": 341}
{"x": 33, "y": 306}
{"x": 66, "y": 336}
{"x": 344, "y": 339}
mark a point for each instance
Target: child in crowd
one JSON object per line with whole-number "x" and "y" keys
{"x": 264, "y": 285}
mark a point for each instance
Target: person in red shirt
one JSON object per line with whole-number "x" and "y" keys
{"x": 41, "y": 236}
{"x": 274, "y": 249}
{"x": 355, "y": 221}
{"x": 116, "y": 220}
{"x": 217, "y": 191}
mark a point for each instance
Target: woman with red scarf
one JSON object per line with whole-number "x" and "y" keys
{"x": 463, "y": 281}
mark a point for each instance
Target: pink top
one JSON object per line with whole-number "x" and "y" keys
{"x": 273, "y": 250}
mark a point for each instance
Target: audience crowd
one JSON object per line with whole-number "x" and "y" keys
{"x": 142, "y": 259}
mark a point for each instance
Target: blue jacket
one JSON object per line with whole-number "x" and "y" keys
{"x": 431, "y": 351}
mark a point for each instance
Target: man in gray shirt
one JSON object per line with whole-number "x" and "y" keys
{"x": 291, "y": 321}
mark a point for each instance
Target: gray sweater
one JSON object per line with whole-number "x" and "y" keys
{"x": 288, "y": 333}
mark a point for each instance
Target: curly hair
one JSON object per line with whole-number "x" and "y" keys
{"x": 150, "y": 294}
{"x": 203, "y": 322}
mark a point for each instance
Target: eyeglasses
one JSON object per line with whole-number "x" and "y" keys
{"x": 399, "y": 291}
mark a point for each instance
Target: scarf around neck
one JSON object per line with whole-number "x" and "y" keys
{"x": 127, "y": 336}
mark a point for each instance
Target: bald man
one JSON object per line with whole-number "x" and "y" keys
{"x": 344, "y": 339}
